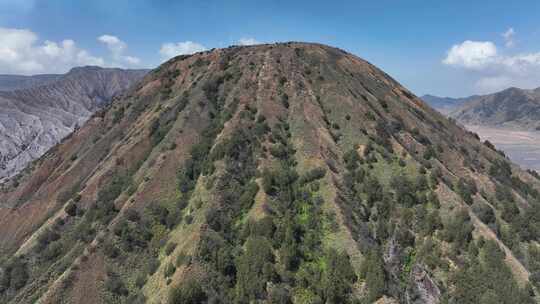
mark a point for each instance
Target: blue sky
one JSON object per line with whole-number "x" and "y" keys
{"x": 450, "y": 48}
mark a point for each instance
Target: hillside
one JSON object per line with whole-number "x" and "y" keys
{"x": 511, "y": 108}
{"x": 283, "y": 173}
{"x": 35, "y": 118}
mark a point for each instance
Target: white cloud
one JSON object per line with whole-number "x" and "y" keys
{"x": 509, "y": 37}
{"x": 495, "y": 71}
{"x": 169, "y": 50}
{"x": 22, "y": 53}
{"x": 471, "y": 54}
{"x": 248, "y": 41}
{"x": 117, "y": 48}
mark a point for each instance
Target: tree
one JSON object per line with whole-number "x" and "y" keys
{"x": 372, "y": 271}
{"x": 484, "y": 212}
{"x": 18, "y": 274}
{"x": 458, "y": 228}
{"x": 466, "y": 189}
{"x": 500, "y": 170}
{"x": 189, "y": 291}
{"x": 338, "y": 277}
{"x": 71, "y": 209}
{"x": 254, "y": 269}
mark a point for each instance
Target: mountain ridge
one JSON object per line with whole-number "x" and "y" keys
{"x": 10, "y": 82}
{"x": 35, "y": 118}
{"x": 511, "y": 108}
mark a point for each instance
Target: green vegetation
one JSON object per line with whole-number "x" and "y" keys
{"x": 189, "y": 292}
{"x": 489, "y": 277}
{"x": 373, "y": 273}
{"x": 385, "y": 204}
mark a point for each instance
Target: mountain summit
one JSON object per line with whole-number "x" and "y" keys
{"x": 283, "y": 173}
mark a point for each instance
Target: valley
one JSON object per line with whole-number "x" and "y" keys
{"x": 521, "y": 146}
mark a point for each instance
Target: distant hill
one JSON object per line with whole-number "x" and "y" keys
{"x": 445, "y": 105}
{"x": 17, "y": 82}
{"x": 512, "y": 108}
{"x": 46, "y": 108}
{"x": 278, "y": 173}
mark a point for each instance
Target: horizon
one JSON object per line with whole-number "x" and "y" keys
{"x": 467, "y": 54}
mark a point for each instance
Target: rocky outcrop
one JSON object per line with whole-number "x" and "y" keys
{"x": 33, "y": 120}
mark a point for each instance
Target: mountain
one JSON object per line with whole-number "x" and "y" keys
{"x": 445, "y": 105}
{"x": 34, "y": 119}
{"x": 279, "y": 173}
{"x": 18, "y": 82}
{"x": 513, "y": 108}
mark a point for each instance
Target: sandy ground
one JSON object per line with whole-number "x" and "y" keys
{"x": 522, "y": 147}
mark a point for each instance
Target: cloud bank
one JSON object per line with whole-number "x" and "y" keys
{"x": 495, "y": 71}
{"x": 21, "y": 53}
{"x": 117, "y": 48}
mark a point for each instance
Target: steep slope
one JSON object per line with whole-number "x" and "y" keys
{"x": 18, "y": 82}
{"x": 512, "y": 108}
{"x": 285, "y": 173}
{"x": 34, "y": 119}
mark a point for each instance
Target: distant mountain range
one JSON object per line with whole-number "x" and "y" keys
{"x": 513, "y": 108}
{"x": 18, "y": 82}
{"x": 36, "y": 112}
{"x": 445, "y": 105}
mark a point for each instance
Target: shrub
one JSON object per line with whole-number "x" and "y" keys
{"x": 279, "y": 295}
{"x": 484, "y": 212}
{"x": 488, "y": 144}
{"x": 312, "y": 175}
{"x": 254, "y": 269}
{"x": 339, "y": 276}
{"x": 18, "y": 274}
{"x": 466, "y": 189}
{"x": 351, "y": 159}
{"x": 285, "y": 100}
{"x": 54, "y": 250}
{"x": 140, "y": 280}
{"x": 115, "y": 285}
{"x": 501, "y": 171}
{"x": 47, "y": 237}
{"x": 132, "y": 215}
{"x": 458, "y": 228}
{"x": 372, "y": 271}
{"x": 429, "y": 153}
{"x": 170, "y": 248}
{"x": 189, "y": 291}
{"x": 71, "y": 209}
{"x": 152, "y": 265}
{"x": 169, "y": 270}
{"x": 182, "y": 259}
{"x": 110, "y": 250}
